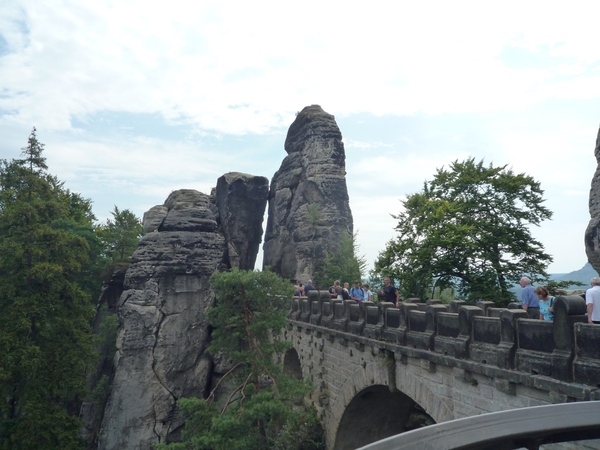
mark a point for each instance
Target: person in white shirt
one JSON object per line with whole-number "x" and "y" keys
{"x": 368, "y": 294}
{"x": 592, "y": 300}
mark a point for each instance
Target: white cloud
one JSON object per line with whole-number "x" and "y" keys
{"x": 242, "y": 67}
{"x": 238, "y": 67}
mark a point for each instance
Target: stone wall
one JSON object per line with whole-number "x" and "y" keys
{"x": 458, "y": 364}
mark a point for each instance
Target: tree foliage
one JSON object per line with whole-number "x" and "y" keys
{"x": 119, "y": 238}
{"x": 263, "y": 409}
{"x": 469, "y": 229}
{"x": 560, "y": 287}
{"x": 120, "y": 235}
{"x": 46, "y": 251}
{"x": 344, "y": 265}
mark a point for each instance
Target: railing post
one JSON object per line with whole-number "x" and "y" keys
{"x": 465, "y": 325}
{"x": 567, "y": 311}
{"x": 508, "y": 338}
{"x": 484, "y": 305}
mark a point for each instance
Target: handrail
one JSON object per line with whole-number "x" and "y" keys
{"x": 515, "y": 428}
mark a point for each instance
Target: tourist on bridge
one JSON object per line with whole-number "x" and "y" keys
{"x": 390, "y": 292}
{"x": 368, "y": 294}
{"x": 592, "y": 300}
{"x": 530, "y": 302}
{"x": 346, "y": 292}
{"x": 336, "y": 291}
{"x": 357, "y": 293}
{"x": 299, "y": 289}
{"x": 546, "y": 303}
{"x": 309, "y": 287}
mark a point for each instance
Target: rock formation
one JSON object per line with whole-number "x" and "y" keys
{"x": 163, "y": 331}
{"x": 308, "y": 200}
{"x": 592, "y": 233}
{"x": 241, "y": 204}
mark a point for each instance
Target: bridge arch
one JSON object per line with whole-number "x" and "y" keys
{"x": 291, "y": 364}
{"x": 369, "y": 407}
{"x": 419, "y": 389}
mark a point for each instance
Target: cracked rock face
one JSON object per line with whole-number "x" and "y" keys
{"x": 309, "y": 207}
{"x": 592, "y": 233}
{"x": 163, "y": 330}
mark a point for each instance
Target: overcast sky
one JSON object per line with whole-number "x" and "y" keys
{"x": 135, "y": 99}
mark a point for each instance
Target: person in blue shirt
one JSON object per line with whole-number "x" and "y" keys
{"x": 546, "y": 303}
{"x": 530, "y": 302}
{"x": 357, "y": 293}
{"x": 309, "y": 287}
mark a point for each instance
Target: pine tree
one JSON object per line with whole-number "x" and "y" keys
{"x": 45, "y": 336}
{"x": 264, "y": 411}
{"x": 120, "y": 235}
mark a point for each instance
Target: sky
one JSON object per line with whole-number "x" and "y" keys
{"x": 134, "y": 99}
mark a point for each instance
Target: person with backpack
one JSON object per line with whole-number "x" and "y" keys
{"x": 336, "y": 291}
{"x": 357, "y": 293}
{"x": 546, "y": 303}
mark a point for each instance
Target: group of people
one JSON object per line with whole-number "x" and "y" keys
{"x": 539, "y": 304}
{"x": 363, "y": 294}
{"x": 303, "y": 290}
{"x": 358, "y": 292}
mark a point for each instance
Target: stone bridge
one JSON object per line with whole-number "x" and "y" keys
{"x": 379, "y": 370}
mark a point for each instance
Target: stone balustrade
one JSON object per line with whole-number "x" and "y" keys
{"x": 566, "y": 349}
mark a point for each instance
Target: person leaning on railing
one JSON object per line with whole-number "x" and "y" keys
{"x": 546, "y": 302}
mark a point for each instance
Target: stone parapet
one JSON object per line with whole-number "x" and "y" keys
{"x": 565, "y": 349}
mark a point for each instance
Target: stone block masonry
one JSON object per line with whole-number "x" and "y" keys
{"x": 348, "y": 369}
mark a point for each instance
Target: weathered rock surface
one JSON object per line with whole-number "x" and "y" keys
{"x": 163, "y": 332}
{"x": 308, "y": 200}
{"x": 241, "y": 202}
{"x": 592, "y": 233}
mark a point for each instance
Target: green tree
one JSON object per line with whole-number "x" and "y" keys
{"x": 120, "y": 235}
{"x": 45, "y": 313}
{"x": 469, "y": 228}
{"x": 560, "y": 287}
{"x": 344, "y": 265}
{"x": 263, "y": 410}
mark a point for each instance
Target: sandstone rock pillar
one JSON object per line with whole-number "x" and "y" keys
{"x": 309, "y": 208}
{"x": 592, "y": 233}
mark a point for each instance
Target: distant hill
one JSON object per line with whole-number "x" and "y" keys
{"x": 583, "y": 275}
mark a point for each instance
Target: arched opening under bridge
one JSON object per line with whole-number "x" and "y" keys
{"x": 376, "y": 413}
{"x": 291, "y": 364}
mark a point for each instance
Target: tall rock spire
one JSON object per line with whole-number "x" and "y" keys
{"x": 309, "y": 207}
{"x": 592, "y": 233}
